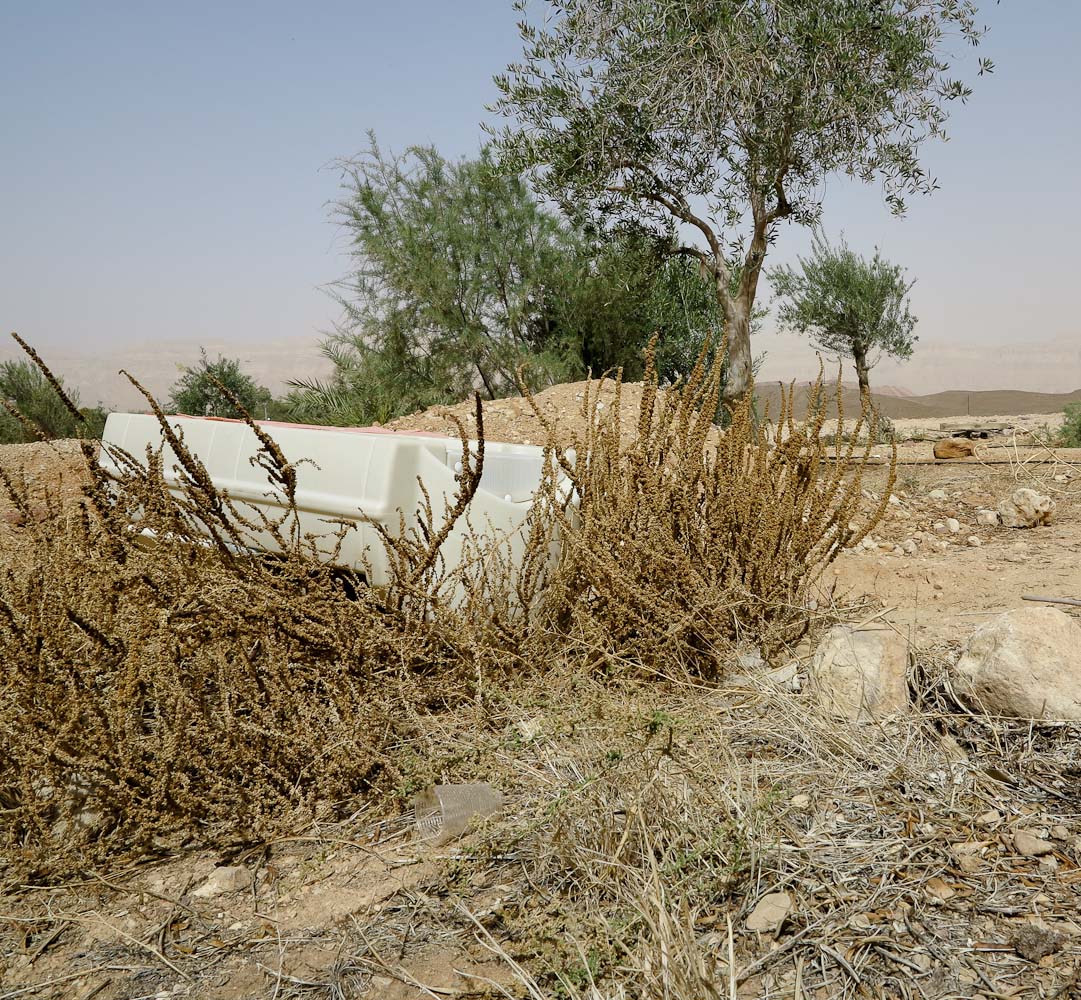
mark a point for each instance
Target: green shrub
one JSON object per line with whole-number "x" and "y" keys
{"x": 1070, "y": 434}
{"x": 44, "y": 414}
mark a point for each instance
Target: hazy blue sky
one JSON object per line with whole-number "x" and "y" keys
{"x": 164, "y": 168}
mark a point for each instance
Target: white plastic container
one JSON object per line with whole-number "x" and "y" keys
{"x": 347, "y": 474}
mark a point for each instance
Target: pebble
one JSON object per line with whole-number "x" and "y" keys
{"x": 801, "y": 801}
{"x": 1026, "y": 842}
{"x": 953, "y": 525}
{"x": 938, "y": 495}
{"x": 990, "y": 818}
{"x": 987, "y": 517}
{"x": 910, "y": 546}
{"x": 769, "y": 912}
{"x": 974, "y": 541}
{"x": 224, "y": 879}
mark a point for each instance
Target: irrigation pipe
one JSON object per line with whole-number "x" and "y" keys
{"x": 1073, "y": 602}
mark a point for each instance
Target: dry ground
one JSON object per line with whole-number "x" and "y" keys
{"x": 895, "y": 845}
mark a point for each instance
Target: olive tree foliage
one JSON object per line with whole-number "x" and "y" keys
{"x": 848, "y": 305}
{"x": 459, "y": 276}
{"x": 197, "y": 392}
{"x": 707, "y": 123}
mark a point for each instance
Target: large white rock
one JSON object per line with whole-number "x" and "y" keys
{"x": 1026, "y": 664}
{"x": 1026, "y": 509}
{"x": 861, "y": 676}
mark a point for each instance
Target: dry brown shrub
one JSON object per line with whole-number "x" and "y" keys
{"x": 687, "y": 538}
{"x": 189, "y": 691}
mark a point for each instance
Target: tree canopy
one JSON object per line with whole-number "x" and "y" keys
{"x": 848, "y": 305}
{"x": 25, "y": 387}
{"x": 706, "y": 123}
{"x": 459, "y": 275}
{"x": 197, "y": 394}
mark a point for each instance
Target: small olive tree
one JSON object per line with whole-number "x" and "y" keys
{"x": 848, "y": 305}
{"x": 709, "y": 122}
{"x": 196, "y": 392}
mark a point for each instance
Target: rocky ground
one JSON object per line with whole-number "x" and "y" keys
{"x": 932, "y": 856}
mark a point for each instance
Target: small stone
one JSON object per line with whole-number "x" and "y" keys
{"x": 801, "y": 801}
{"x": 769, "y": 912}
{"x": 988, "y": 518}
{"x": 894, "y": 500}
{"x": 222, "y": 880}
{"x": 953, "y": 525}
{"x": 988, "y": 819}
{"x": 941, "y": 528}
{"x": 938, "y": 495}
{"x": 1028, "y": 844}
{"x": 1060, "y": 832}
{"x": 1034, "y": 942}
{"x": 954, "y": 448}
{"x": 1048, "y": 864}
{"x": 910, "y": 546}
{"x": 974, "y": 542}
{"x": 939, "y": 890}
{"x": 970, "y": 863}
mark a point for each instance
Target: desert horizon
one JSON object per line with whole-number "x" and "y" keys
{"x": 1034, "y": 378}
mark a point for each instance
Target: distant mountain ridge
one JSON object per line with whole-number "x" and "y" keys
{"x": 951, "y": 403}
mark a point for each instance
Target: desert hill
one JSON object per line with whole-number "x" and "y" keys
{"x": 952, "y": 403}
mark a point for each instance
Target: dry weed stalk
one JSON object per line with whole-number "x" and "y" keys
{"x": 190, "y": 691}
{"x": 687, "y": 538}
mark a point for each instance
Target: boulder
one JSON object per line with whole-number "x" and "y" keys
{"x": 954, "y": 448}
{"x": 1025, "y": 664}
{"x": 861, "y": 676}
{"x": 1026, "y": 509}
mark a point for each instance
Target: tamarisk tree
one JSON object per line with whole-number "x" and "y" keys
{"x": 847, "y": 305}
{"x": 709, "y": 122}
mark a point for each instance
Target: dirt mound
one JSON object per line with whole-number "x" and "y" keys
{"x": 514, "y": 420}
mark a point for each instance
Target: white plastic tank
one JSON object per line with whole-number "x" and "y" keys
{"x": 346, "y": 474}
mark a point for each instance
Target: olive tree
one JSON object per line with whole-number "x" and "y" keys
{"x": 707, "y": 123}
{"x": 197, "y": 391}
{"x": 848, "y": 305}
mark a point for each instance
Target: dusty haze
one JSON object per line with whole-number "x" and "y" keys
{"x": 1049, "y": 367}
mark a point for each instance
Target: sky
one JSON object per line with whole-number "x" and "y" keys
{"x": 166, "y": 172}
